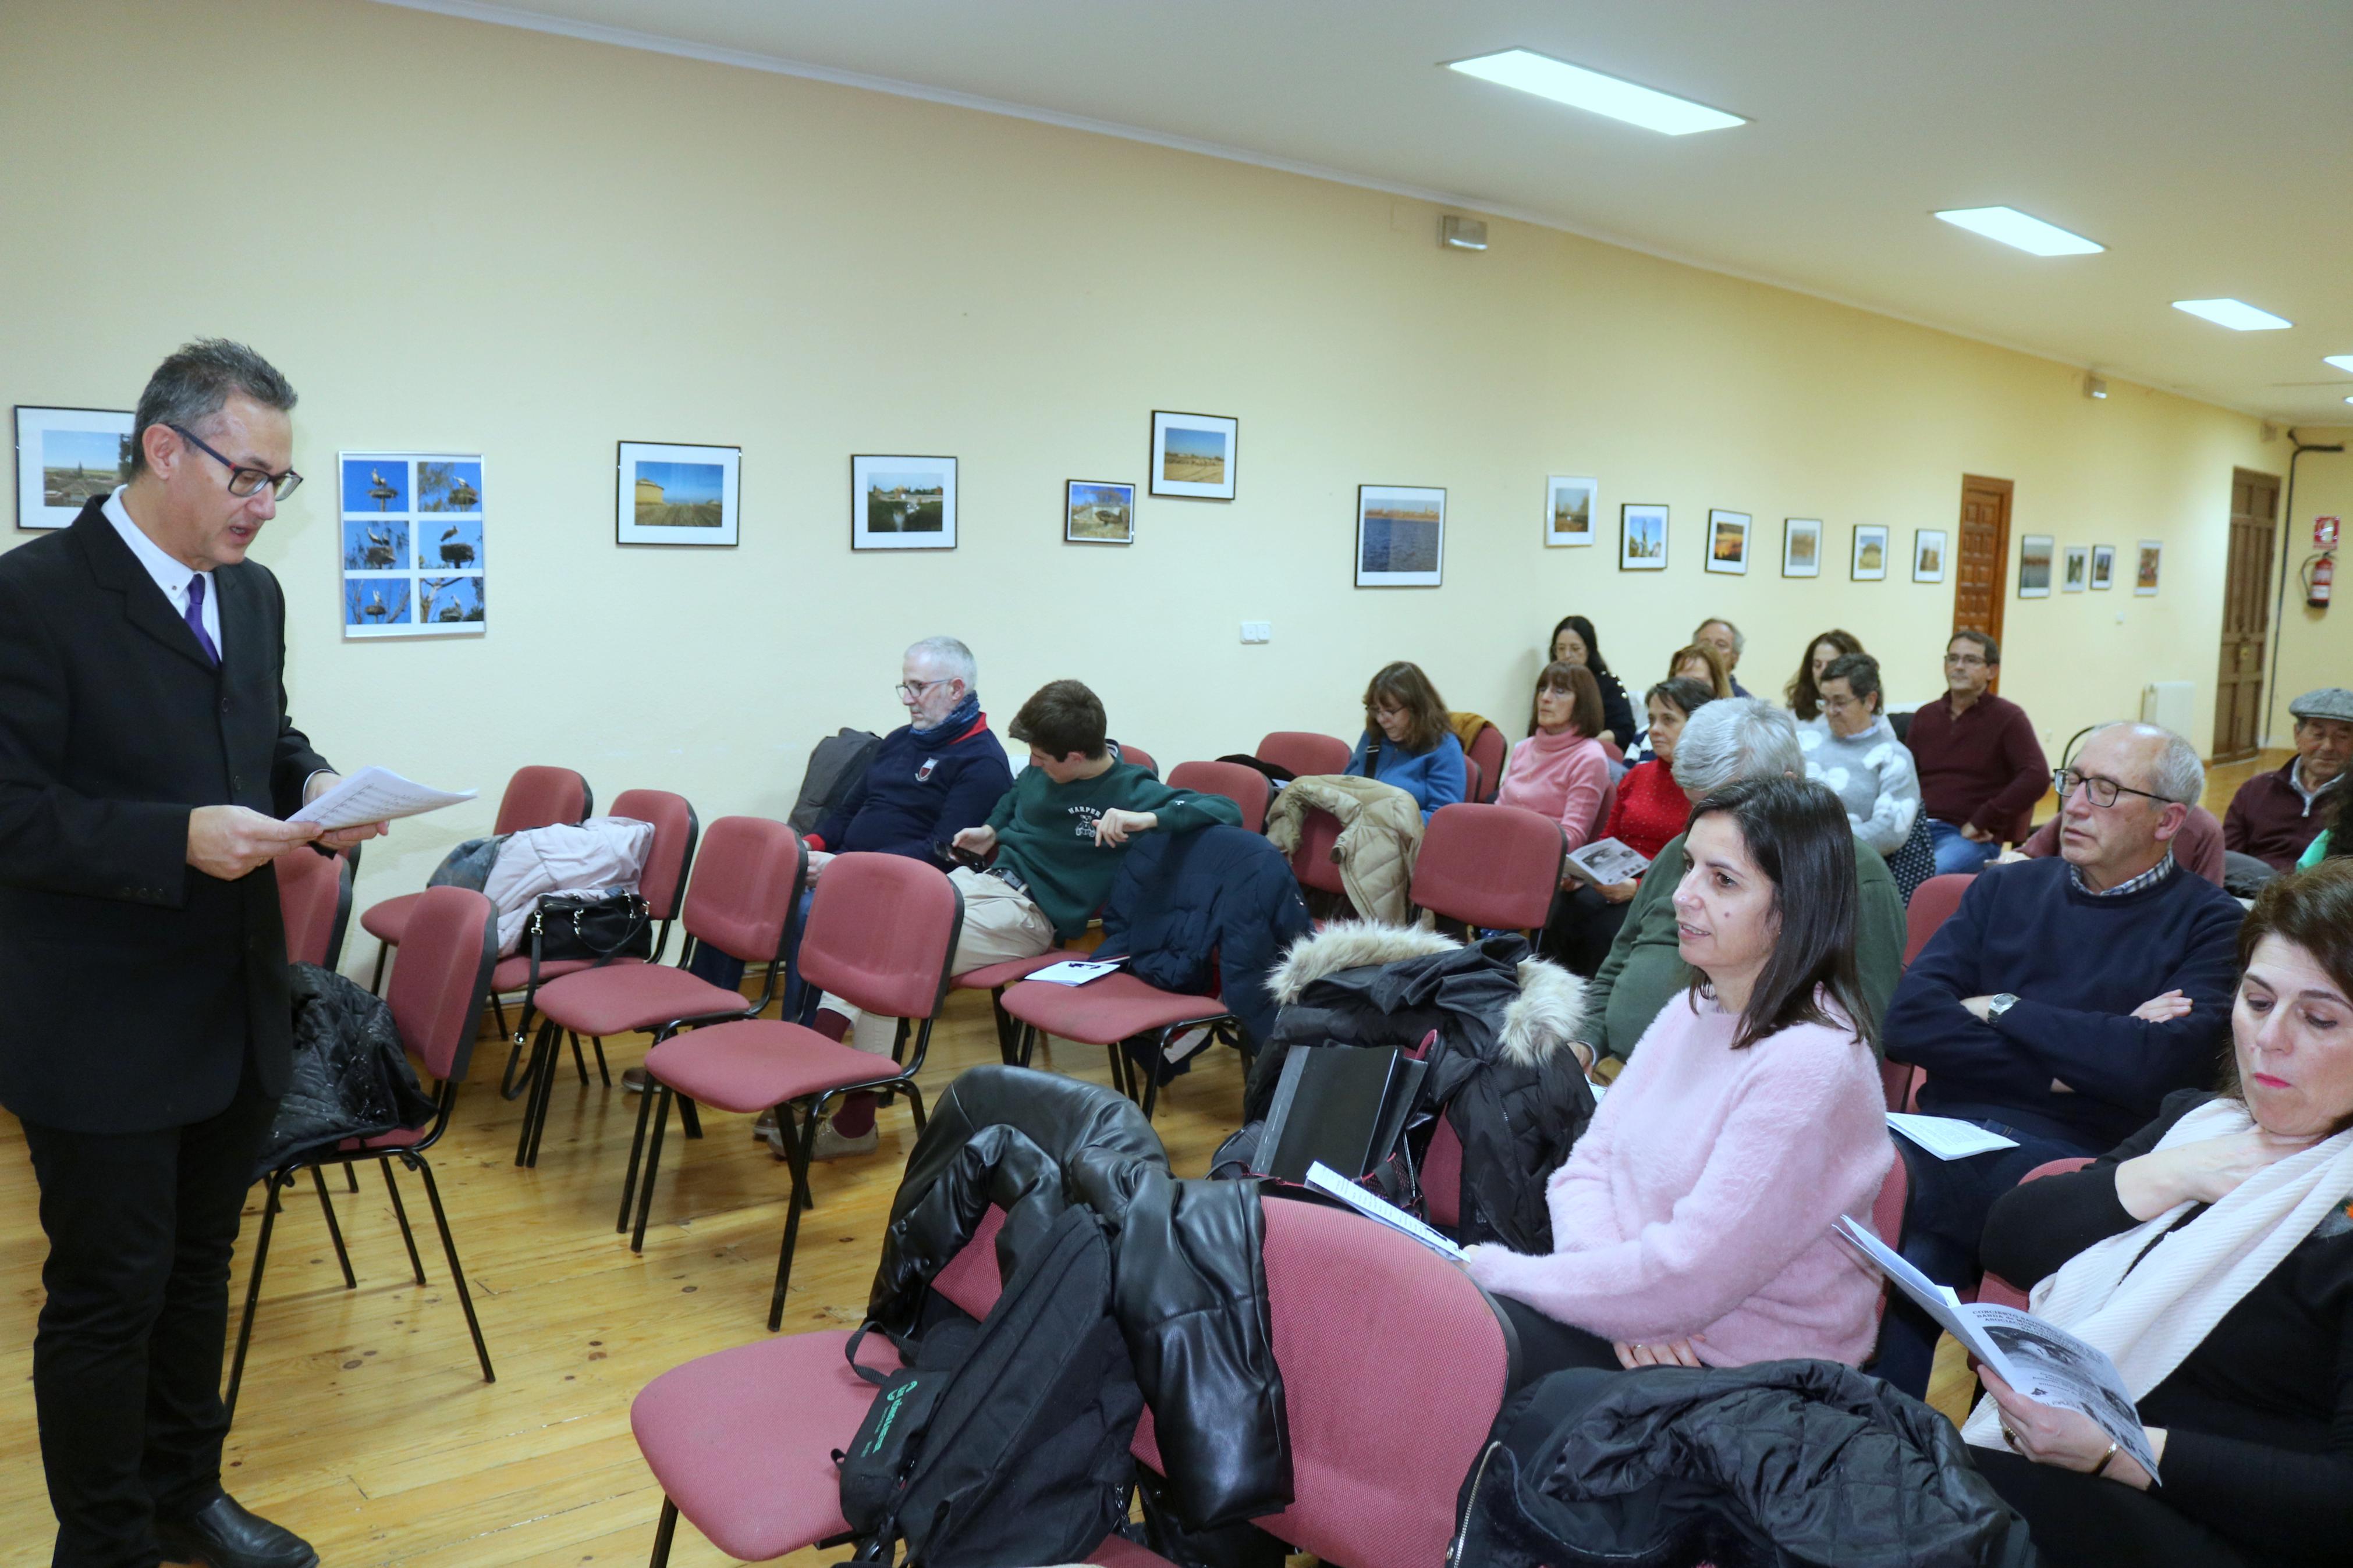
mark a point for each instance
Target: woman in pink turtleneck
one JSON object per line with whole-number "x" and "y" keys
{"x": 1691, "y": 1225}
{"x": 1560, "y": 770}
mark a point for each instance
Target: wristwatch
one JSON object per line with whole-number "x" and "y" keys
{"x": 1999, "y": 1005}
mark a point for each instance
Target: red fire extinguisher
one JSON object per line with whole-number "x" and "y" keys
{"x": 2318, "y": 578}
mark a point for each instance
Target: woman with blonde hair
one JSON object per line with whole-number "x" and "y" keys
{"x": 1407, "y": 740}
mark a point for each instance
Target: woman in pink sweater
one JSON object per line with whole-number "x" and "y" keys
{"x": 1693, "y": 1222}
{"x": 1560, "y": 770}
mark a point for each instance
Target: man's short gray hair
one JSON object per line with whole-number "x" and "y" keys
{"x": 1736, "y": 737}
{"x": 195, "y": 383}
{"x": 1739, "y": 642}
{"x": 950, "y": 656}
{"x": 2177, "y": 774}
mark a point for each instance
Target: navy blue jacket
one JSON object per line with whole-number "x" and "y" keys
{"x": 1221, "y": 894}
{"x": 2079, "y": 965}
{"x": 915, "y": 797}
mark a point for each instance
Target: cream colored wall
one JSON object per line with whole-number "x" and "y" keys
{"x": 2316, "y": 646}
{"x": 464, "y": 237}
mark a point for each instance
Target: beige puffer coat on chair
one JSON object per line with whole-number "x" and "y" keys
{"x": 1380, "y": 834}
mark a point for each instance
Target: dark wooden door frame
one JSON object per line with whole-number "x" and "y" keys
{"x": 1998, "y": 493}
{"x": 2253, "y": 537}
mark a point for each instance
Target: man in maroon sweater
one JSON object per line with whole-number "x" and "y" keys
{"x": 2274, "y": 816}
{"x": 1981, "y": 768}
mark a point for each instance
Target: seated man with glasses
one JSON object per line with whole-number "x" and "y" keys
{"x": 2061, "y": 1004}
{"x": 1981, "y": 768}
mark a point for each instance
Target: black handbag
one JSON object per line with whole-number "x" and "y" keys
{"x": 602, "y": 927}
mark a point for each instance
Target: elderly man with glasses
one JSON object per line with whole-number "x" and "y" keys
{"x": 2061, "y": 1004}
{"x": 1980, "y": 765}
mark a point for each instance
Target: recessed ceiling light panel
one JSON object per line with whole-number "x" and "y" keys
{"x": 2015, "y": 229}
{"x": 1591, "y": 90}
{"x": 2235, "y": 314}
{"x": 2342, "y": 362}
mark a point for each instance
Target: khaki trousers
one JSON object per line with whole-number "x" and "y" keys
{"x": 998, "y": 924}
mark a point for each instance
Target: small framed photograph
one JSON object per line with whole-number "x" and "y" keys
{"x": 2077, "y": 572}
{"x": 2103, "y": 568}
{"x": 2152, "y": 559}
{"x": 1927, "y": 555}
{"x": 1870, "y": 553}
{"x": 1098, "y": 511}
{"x": 902, "y": 503}
{"x": 1801, "y": 547}
{"x": 1727, "y": 542}
{"x": 2034, "y": 554}
{"x": 671, "y": 494}
{"x": 1400, "y": 536}
{"x": 1641, "y": 537}
{"x": 66, "y": 458}
{"x": 1193, "y": 455}
{"x": 1568, "y": 509}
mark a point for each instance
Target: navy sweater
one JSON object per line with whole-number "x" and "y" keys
{"x": 915, "y": 797}
{"x": 2079, "y": 965}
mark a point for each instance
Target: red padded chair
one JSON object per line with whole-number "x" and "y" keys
{"x": 1487, "y": 749}
{"x": 1492, "y": 867}
{"x": 1933, "y": 903}
{"x": 1303, "y": 751}
{"x": 882, "y": 933}
{"x": 1107, "y": 1011}
{"x": 1475, "y": 784}
{"x": 314, "y": 895}
{"x": 1992, "y": 1289}
{"x": 1245, "y": 786}
{"x": 1139, "y": 756}
{"x": 1614, "y": 751}
{"x": 1312, "y": 862}
{"x": 436, "y": 1001}
{"x": 746, "y": 889}
{"x": 1895, "y": 1085}
{"x": 534, "y": 797}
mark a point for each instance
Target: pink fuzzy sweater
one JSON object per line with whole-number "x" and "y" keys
{"x": 1702, "y": 1197}
{"x": 1561, "y": 776}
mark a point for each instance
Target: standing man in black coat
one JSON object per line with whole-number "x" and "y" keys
{"x": 145, "y": 762}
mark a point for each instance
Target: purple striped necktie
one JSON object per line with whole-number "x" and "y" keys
{"x": 196, "y": 618}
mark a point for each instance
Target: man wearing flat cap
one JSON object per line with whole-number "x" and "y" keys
{"x": 2276, "y": 815}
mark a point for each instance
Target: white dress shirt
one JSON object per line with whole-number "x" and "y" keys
{"x": 169, "y": 574}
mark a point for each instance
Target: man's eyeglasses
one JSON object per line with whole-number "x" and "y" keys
{"x": 913, "y": 691}
{"x": 242, "y": 480}
{"x": 2102, "y": 792}
{"x": 1965, "y": 660}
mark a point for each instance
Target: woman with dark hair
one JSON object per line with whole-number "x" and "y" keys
{"x": 1804, "y": 693}
{"x": 1560, "y": 770}
{"x": 2235, "y": 1335}
{"x": 1693, "y": 1221}
{"x": 1408, "y": 741}
{"x": 1701, "y": 663}
{"x": 1573, "y": 642}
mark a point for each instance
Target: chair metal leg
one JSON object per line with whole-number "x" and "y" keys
{"x": 550, "y": 1060}
{"x": 499, "y": 1012}
{"x": 653, "y": 1163}
{"x": 1007, "y": 1036}
{"x": 690, "y": 1119}
{"x": 383, "y": 956}
{"x": 579, "y": 1061}
{"x": 1152, "y": 1071}
{"x": 351, "y": 1176}
{"x": 533, "y": 1092}
{"x": 662, "y": 1533}
{"x": 327, "y": 1206}
{"x": 1119, "y": 1073}
{"x": 457, "y": 1270}
{"x": 602, "y": 1071}
{"x": 252, "y": 1298}
{"x": 637, "y": 1153}
{"x": 803, "y": 1135}
{"x": 1028, "y": 1043}
{"x": 415, "y": 1264}
{"x": 915, "y": 1104}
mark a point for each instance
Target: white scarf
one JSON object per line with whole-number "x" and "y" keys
{"x": 2150, "y": 1318}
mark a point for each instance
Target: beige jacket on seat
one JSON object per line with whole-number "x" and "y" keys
{"x": 1380, "y": 834}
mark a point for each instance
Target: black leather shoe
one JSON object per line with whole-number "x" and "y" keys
{"x": 226, "y": 1536}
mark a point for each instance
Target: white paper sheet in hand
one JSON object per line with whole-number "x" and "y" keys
{"x": 1325, "y": 1179}
{"x": 1947, "y": 1137}
{"x": 376, "y": 794}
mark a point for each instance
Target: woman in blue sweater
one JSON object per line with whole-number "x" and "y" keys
{"x": 1407, "y": 740}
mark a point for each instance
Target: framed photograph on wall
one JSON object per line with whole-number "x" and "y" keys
{"x": 65, "y": 457}
{"x": 902, "y": 503}
{"x": 2104, "y": 567}
{"x": 1801, "y": 547}
{"x": 2077, "y": 572}
{"x": 1098, "y": 511}
{"x": 2034, "y": 553}
{"x": 1193, "y": 455}
{"x": 1400, "y": 536}
{"x": 1869, "y": 563}
{"x": 1927, "y": 555}
{"x": 2152, "y": 559}
{"x": 1727, "y": 542}
{"x": 1641, "y": 537}
{"x": 413, "y": 557}
{"x": 671, "y": 494}
{"x": 1568, "y": 509}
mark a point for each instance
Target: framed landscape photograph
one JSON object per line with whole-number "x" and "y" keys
{"x": 2077, "y": 572}
{"x": 1400, "y": 536}
{"x": 2104, "y": 567}
{"x": 1098, "y": 511}
{"x": 65, "y": 457}
{"x": 1193, "y": 455}
{"x": 1727, "y": 542}
{"x": 2152, "y": 559}
{"x": 1869, "y": 563}
{"x": 2034, "y": 553}
{"x": 1927, "y": 555}
{"x": 1641, "y": 537}
{"x": 671, "y": 494}
{"x": 1801, "y": 547}
{"x": 902, "y": 503}
{"x": 1568, "y": 509}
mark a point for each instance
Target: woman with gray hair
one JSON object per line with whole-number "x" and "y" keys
{"x": 1853, "y": 751}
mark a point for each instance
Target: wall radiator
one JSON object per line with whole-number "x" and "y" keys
{"x": 2169, "y": 702}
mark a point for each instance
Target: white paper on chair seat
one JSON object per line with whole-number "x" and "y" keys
{"x": 1947, "y": 1137}
{"x": 1074, "y": 972}
{"x": 1372, "y": 1205}
{"x": 376, "y": 794}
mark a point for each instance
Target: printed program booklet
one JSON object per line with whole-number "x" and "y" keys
{"x": 1605, "y": 862}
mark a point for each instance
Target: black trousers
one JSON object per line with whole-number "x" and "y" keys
{"x": 127, "y": 1357}
{"x": 2081, "y": 1521}
{"x": 1548, "y": 1345}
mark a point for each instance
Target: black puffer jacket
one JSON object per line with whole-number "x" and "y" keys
{"x": 1190, "y": 1285}
{"x": 1222, "y": 893}
{"x": 351, "y": 1077}
{"x": 1770, "y": 1465}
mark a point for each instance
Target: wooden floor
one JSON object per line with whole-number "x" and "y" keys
{"x": 364, "y": 1424}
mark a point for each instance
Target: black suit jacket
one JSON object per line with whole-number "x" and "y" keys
{"x": 132, "y": 987}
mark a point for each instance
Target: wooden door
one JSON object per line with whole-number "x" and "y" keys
{"x": 1981, "y": 558}
{"x": 2246, "y": 615}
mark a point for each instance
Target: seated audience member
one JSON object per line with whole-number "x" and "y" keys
{"x": 1726, "y": 741}
{"x": 2275, "y": 816}
{"x": 1852, "y": 749}
{"x": 2235, "y": 1338}
{"x": 1409, "y": 741}
{"x": 1981, "y": 768}
{"x": 2061, "y": 1004}
{"x": 2196, "y": 849}
{"x": 1573, "y": 642}
{"x": 1560, "y": 770}
{"x": 1057, "y": 835}
{"x": 1804, "y": 693}
{"x": 1697, "y": 661}
{"x": 1726, "y": 639}
{"x": 1693, "y": 1221}
{"x": 1649, "y": 811}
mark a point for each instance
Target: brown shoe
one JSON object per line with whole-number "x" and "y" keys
{"x": 634, "y": 1080}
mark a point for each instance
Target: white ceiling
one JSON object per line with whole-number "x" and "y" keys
{"x": 2206, "y": 145}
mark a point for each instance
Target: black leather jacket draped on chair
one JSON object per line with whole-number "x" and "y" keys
{"x": 351, "y": 1077}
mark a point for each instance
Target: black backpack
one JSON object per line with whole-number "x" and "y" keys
{"x": 836, "y": 766}
{"x": 1004, "y": 1444}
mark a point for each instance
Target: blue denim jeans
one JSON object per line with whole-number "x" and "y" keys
{"x": 1955, "y": 853}
{"x": 720, "y": 969}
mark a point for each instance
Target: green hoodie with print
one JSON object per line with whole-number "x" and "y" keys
{"x": 1046, "y": 834}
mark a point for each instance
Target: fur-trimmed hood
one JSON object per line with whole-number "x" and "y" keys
{"x": 1546, "y": 1014}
